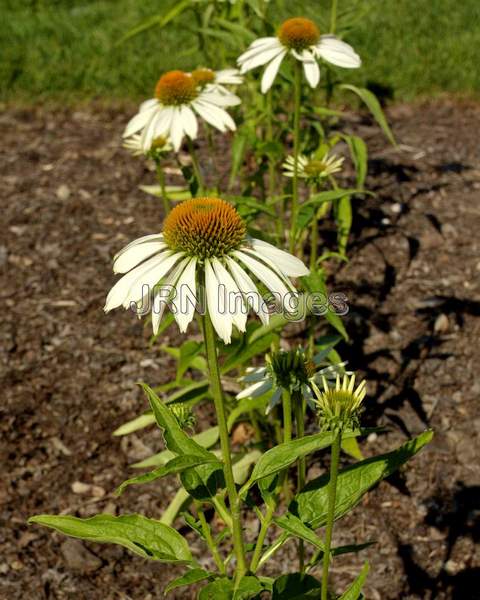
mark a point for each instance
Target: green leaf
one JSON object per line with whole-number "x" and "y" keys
{"x": 189, "y": 578}
{"x": 224, "y": 589}
{"x": 350, "y": 446}
{"x": 241, "y": 468}
{"x": 247, "y": 351}
{"x": 206, "y": 439}
{"x": 135, "y": 424}
{"x": 292, "y": 524}
{"x": 296, "y": 586}
{"x": 344, "y": 222}
{"x": 355, "y": 590}
{"x": 247, "y": 405}
{"x": 181, "y": 499}
{"x": 156, "y": 20}
{"x": 201, "y": 482}
{"x": 331, "y": 195}
{"x": 239, "y": 148}
{"x": 146, "y": 537}
{"x": 310, "y": 504}
{"x": 359, "y": 154}
{"x": 175, "y": 465}
{"x": 191, "y": 394}
{"x": 315, "y": 283}
{"x": 374, "y": 107}
{"x": 280, "y": 457}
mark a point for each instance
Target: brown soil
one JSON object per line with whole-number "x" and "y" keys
{"x": 70, "y": 199}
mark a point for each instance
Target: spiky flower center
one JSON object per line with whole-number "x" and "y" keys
{"x": 298, "y": 33}
{"x": 203, "y": 76}
{"x": 291, "y": 369}
{"x": 204, "y": 227}
{"x": 316, "y": 168}
{"x": 175, "y": 88}
{"x": 340, "y": 407}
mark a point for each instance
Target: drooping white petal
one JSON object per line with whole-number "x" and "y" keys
{"x": 147, "y": 280}
{"x": 339, "y": 53}
{"x": 274, "y": 400}
{"x": 222, "y": 323}
{"x": 148, "y": 132}
{"x": 190, "y": 124}
{"x": 254, "y": 374}
{"x": 262, "y": 58}
{"x": 213, "y": 96}
{"x": 311, "y": 69}
{"x": 184, "y": 300}
{"x": 255, "y": 390}
{"x": 140, "y": 120}
{"x": 271, "y": 72}
{"x": 289, "y": 265}
{"x": 254, "y": 51}
{"x": 261, "y": 257}
{"x": 176, "y": 128}
{"x": 263, "y": 41}
{"x": 148, "y": 104}
{"x": 234, "y": 304}
{"x": 119, "y": 292}
{"x": 164, "y": 292}
{"x": 228, "y": 77}
{"x": 249, "y": 290}
{"x": 158, "y": 237}
{"x": 214, "y": 115}
{"x": 135, "y": 255}
{"x": 265, "y": 274}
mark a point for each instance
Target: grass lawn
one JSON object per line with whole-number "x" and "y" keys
{"x": 66, "y": 49}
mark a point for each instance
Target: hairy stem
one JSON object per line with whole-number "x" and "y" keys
{"x": 332, "y": 494}
{"x": 217, "y": 393}
{"x": 301, "y": 465}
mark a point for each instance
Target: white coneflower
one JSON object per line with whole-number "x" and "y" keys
{"x": 171, "y": 113}
{"x": 340, "y": 406}
{"x": 217, "y": 80}
{"x": 301, "y": 38}
{"x": 203, "y": 245}
{"x": 290, "y": 370}
{"x": 312, "y": 168}
{"x": 159, "y": 145}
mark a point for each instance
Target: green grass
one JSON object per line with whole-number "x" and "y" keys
{"x": 66, "y": 50}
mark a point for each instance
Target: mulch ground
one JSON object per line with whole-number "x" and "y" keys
{"x": 70, "y": 200}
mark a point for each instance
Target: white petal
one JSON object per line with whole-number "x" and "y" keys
{"x": 271, "y": 72}
{"x": 222, "y": 323}
{"x": 228, "y": 77}
{"x": 311, "y": 69}
{"x": 289, "y": 265}
{"x": 185, "y": 299}
{"x": 148, "y": 104}
{"x": 140, "y": 120}
{"x": 214, "y": 115}
{"x": 263, "y": 57}
{"x": 163, "y": 294}
{"x": 148, "y": 132}
{"x": 265, "y": 274}
{"x": 263, "y": 258}
{"x": 176, "y": 128}
{"x": 255, "y": 390}
{"x": 254, "y": 375}
{"x": 158, "y": 237}
{"x": 119, "y": 292}
{"x": 274, "y": 400}
{"x": 190, "y": 124}
{"x": 249, "y": 290}
{"x": 334, "y": 51}
{"x": 147, "y": 280}
{"x": 212, "y": 95}
{"x": 135, "y": 255}
{"x": 255, "y": 51}
{"x": 235, "y": 305}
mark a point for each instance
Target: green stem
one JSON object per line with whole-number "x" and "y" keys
{"x": 287, "y": 415}
{"x": 333, "y": 16}
{"x": 196, "y": 166}
{"x": 257, "y": 553}
{"x": 332, "y": 493}
{"x": 161, "y": 180}
{"x": 209, "y": 539}
{"x": 217, "y": 393}
{"x": 296, "y": 152}
{"x": 301, "y": 465}
{"x": 271, "y": 168}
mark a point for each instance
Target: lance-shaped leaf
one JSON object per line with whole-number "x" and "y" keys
{"x": 147, "y": 537}
{"x": 206, "y": 439}
{"x": 311, "y": 503}
{"x": 296, "y": 586}
{"x": 354, "y": 592}
{"x": 135, "y": 424}
{"x": 176, "y": 465}
{"x": 202, "y": 481}
{"x": 292, "y": 524}
{"x": 282, "y": 456}
{"x": 224, "y": 589}
{"x": 188, "y": 578}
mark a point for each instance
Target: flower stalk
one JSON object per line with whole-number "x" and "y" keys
{"x": 196, "y": 167}
{"x": 301, "y": 466}
{"x": 332, "y": 494}
{"x": 161, "y": 180}
{"x": 217, "y": 393}
{"x": 296, "y": 152}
